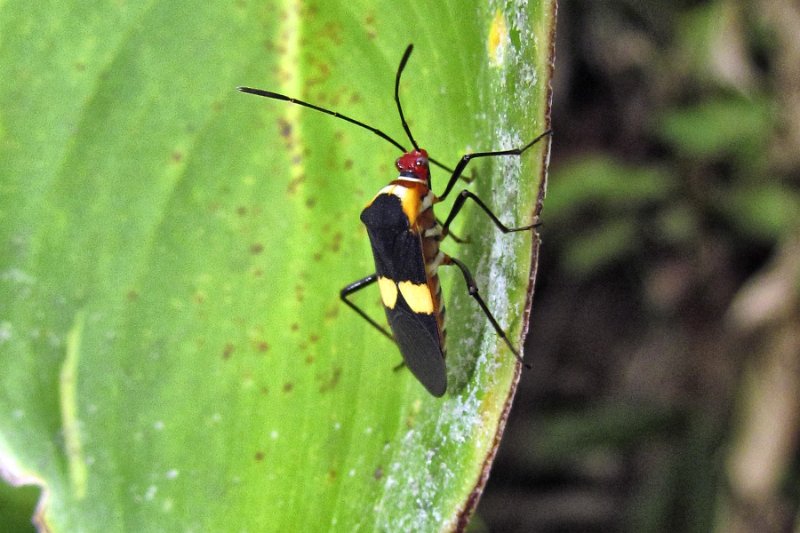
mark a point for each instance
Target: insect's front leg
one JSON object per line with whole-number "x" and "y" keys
{"x": 465, "y": 159}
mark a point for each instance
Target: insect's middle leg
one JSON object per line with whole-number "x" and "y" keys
{"x": 450, "y": 234}
{"x": 465, "y": 159}
{"x": 462, "y": 197}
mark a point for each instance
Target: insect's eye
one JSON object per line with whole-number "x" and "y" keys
{"x": 420, "y": 162}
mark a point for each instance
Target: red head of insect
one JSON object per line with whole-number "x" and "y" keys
{"x": 414, "y": 164}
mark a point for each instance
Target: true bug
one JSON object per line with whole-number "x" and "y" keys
{"x": 405, "y": 237}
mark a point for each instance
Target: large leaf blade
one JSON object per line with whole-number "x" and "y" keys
{"x": 175, "y": 353}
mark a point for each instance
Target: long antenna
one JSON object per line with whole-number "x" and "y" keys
{"x": 376, "y": 131}
{"x": 278, "y": 96}
{"x": 402, "y": 66}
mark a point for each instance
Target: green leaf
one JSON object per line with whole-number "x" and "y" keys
{"x": 765, "y": 211}
{"x": 15, "y": 507}
{"x": 604, "y": 195}
{"x": 601, "y": 245}
{"x": 174, "y": 352}
{"x": 733, "y": 126}
{"x": 606, "y": 184}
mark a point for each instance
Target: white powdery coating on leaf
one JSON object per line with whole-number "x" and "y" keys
{"x": 15, "y": 275}
{"x": 5, "y": 332}
{"x": 460, "y": 419}
{"x": 528, "y": 75}
{"x": 421, "y": 489}
{"x": 404, "y": 491}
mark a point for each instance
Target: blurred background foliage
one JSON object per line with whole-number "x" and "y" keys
{"x": 665, "y": 394}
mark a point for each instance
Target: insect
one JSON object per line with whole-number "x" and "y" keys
{"x": 405, "y": 236}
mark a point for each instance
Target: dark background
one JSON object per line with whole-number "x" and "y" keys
{"x": 665, "y": 334}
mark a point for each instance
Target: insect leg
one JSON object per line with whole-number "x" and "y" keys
{"x": 357, "y": 286}
{"x": 459, "y": 203}
{"x": 469, "y": 157}
{"x": 459, "y": 240}
{"x": 472, "y": 287}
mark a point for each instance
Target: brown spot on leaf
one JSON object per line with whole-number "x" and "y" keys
{"x": 332, "y": 311}
{"x": 256, "y": 248}
{"x": 295, "y": 326}
{"x": 228, "y": 351}
{"x": 372, "y": 33}
{"x": 378, "y": 474}
{"x": 262, "y": 346}
{"x": 337, "y": 242}
{"x": 331, "y": 382}
{"x": 285, "y": 129}
{"x": 294, "y": 184}
{"x": 288, "y": 386}
{"x": 324, "y": 72}
{"x": 132, "y": 295}
{"x": 259, "y": 456}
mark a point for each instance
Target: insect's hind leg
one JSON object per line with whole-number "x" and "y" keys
{"x": 355, "y": 287}
{"x": 472, "y": 287}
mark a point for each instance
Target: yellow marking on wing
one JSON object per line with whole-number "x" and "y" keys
{"x": 388, "y": 292}
{"x": 418, "y": 297}
{"x": 410, "y": 202}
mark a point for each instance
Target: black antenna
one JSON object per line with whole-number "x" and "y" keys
{"x": 376, "y": 131}
{"x": 402, "y": 66}
{"x": 278, "y": 96}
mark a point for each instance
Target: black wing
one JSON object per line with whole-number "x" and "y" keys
{"x": 398, "y": 257}
{"x": 417, "y": 336}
